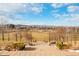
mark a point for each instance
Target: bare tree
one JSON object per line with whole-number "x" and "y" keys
{"x": 8, "y": 37}
{"x": 20, "y": 35}
{"x": 3, "y": 22}
{"x": 16, "y": 34}
{"x": 75, "y": 38}
{"x": 29, "y": 36}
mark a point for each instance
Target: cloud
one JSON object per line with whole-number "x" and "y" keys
{"x": 3, "y": 20}
{"x": 67, "y": 17}
{"x": 58, "y": 5}
{"x": 60, "y": 16}
{"x": 73, "y": 17}
{"x": 6, "y": 20}
{"x": 10, "y": 7}
{"x": 72, "y": 8}
{"x": 9, "y": 10}
{"x": 56, "y": 15}
{"x": 37, "y": 10}
{"x": 72, "y": 14}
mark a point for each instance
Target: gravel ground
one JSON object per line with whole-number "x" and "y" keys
{"x": 39, "y": 50}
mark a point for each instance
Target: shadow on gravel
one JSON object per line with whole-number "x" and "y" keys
{"x": 29, "y": 49}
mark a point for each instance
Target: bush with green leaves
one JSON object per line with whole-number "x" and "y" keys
{"x": 59, "y": 45}
{"x": 15, "y": 46}
{"x": 19, "y": 46}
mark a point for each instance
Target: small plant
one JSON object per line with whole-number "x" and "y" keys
{"x": 21, "y": 46}
{"x": 67, "y": 46}
{"x": 15, "y": 46}
{"x": 61, "y": 46}
{"x": 8, "y": 47}
{"x": 18, "y": 45}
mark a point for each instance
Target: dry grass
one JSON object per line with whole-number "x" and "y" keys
{"x": 44, "y": 36}
{"x": 38, "y": 35}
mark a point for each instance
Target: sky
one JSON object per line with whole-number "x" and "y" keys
{"x": 57, "y": 14}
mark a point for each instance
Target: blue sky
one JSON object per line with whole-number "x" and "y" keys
{"x": 58, "y": 14}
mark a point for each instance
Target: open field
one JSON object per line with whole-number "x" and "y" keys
{"x": 38, "y": 35}
{"x": 42, "y": 48}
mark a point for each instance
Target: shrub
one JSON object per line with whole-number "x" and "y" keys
{"x": 21, "y": 46}
{"x": 65, "y": 46}
{"x": 8, "y": 47}
{"x": 59, "y": 45}
{"x": 18, "y": 45}
{"x": 15, "y": 46}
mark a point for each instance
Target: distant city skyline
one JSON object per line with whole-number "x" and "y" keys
{"x": 52, "y": 14}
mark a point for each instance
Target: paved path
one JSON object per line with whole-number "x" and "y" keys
{"x": 40, "y": 50}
